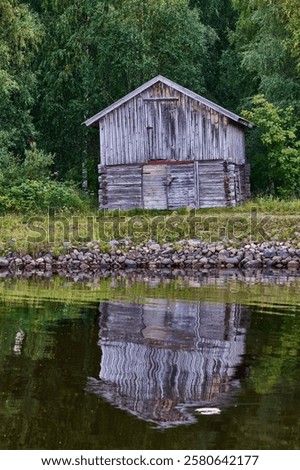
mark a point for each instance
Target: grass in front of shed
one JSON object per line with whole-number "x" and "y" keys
{"x": 263, "y": 219}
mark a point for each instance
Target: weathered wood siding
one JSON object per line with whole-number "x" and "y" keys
{"x": 164, "y": 186}
{"x": 120, "y": 187}
{"x": 243, "y": 176}
{"x": 211, "y": 183}
{"x": 222, "y": 184}
{"x": 163, "y": 123}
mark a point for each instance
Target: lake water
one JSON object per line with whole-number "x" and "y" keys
{"x": 145, "y": 361}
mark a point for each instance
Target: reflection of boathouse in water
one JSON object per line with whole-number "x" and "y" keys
{"x": 162, "y": 358}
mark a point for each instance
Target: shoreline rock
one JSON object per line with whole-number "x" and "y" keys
{"x": 184, "y": 254}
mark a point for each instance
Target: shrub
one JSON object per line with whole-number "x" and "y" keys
{"x": 26, "y": 185}
{"x": 37, "y": 164}
{"x": 40, "y": 196}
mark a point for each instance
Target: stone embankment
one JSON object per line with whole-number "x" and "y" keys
{"x": 184, "y": 254}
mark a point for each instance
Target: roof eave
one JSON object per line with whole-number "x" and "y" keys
{"x": 246, "y": 123}
{"x": 122, "y": 100}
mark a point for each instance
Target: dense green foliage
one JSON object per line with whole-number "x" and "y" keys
{"x": 20, "y": 35}
{"x": 267, "y": 40}
{"x": 62, "y": 61}
{"x": 275, "y": 147}
{"x": 266, "y": 36}
{"x": 28, "y": 186}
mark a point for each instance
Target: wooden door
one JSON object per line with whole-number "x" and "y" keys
{"x": 181, "y": 189}
{"x": 160, "y": 130}
{"x": 155, "y": 186}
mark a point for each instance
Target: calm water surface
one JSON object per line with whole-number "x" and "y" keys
{"x": 130, "y": 362}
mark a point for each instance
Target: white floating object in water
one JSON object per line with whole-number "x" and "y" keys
{"x": 208, "y": 411}
{"x": 19, "y": 342}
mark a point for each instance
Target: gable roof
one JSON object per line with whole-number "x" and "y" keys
{"x": 177, "y": 87}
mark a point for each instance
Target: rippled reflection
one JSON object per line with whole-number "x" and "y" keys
{"x": 163, "y": 359}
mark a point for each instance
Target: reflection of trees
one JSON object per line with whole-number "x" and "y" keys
{"x": 158, "y": 358}
{"x": 40, "y": 374}
{"x": 279, "y": 354}
{"x": 270, "y": 405}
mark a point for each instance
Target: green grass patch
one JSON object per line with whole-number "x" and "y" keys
{"x": 257, "y": 221}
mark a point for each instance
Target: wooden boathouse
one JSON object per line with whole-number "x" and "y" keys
{"x": 163, "y": 146}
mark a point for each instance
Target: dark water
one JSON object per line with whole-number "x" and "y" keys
{"x": 134, "y": 373}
